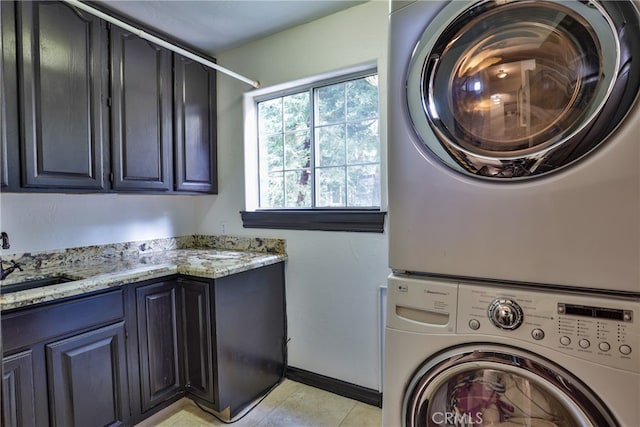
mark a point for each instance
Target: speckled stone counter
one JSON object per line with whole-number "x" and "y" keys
{"x": 93, "y": 268}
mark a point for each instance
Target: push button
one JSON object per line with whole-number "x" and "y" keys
{"x": 565, "y": 340}
{"x": 625, "y": 349}
{"x": 604, "y": 346}
{"x": 537, "y": 334}
{"x": 584, "y": 343}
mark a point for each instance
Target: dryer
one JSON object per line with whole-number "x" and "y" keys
{"x": 513, "y": 133}
{"x": 463, "y": 353}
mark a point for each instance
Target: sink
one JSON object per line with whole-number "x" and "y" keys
{"x": 32, "y": 284}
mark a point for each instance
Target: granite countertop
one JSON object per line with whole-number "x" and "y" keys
{"x": 100, "y": 267}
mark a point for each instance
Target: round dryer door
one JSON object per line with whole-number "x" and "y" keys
{"x": 510, "y": 89}
{"x": 499, "y": 386}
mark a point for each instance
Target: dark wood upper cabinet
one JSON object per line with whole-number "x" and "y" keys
{"x": 194, "y": 126}
{"x": 141, "y": 122}
{"x": 9, "y": 128}
{"x": 61, "y": 89}
{"x": 87, "y": 107}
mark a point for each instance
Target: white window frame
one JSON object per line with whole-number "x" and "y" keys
{"x": 342, "y": 219}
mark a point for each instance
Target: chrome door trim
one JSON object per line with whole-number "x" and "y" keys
{"x": 580, "y": 401}
{"x": 620, "y": 75}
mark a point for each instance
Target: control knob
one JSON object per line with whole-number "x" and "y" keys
{"x": 505, "y": 313}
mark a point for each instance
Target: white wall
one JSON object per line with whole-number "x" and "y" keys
{"x": 39, "y": 222}
{"x": 332, "y": 278}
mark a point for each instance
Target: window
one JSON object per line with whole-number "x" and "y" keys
{"x": 317, "y": 152}
{"x": 320, "y": 147}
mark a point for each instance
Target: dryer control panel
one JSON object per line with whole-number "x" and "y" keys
{"x": 595, "y": 327}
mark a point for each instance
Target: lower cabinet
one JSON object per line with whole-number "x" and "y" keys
{"x": 168, "y": 354}
{"x": 117, "y": 357}
{"x": 65, "y": 364}
{"x": 250, "y": 335}
{"x": 220, "y": 342}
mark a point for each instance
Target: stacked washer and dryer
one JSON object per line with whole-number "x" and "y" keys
{"x": 514, "y": 213}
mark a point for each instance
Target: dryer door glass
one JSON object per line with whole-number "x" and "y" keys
{"x": 502, "y": 387}
{"x": 511, "y": 88}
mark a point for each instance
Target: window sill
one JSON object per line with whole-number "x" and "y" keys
{"x": 367, "y": 221}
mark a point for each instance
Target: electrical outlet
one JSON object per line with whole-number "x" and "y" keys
{"x": 223, "y": 227}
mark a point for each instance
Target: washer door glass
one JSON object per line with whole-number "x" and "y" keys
{"x": 499, "y": 386}
{"x": 511, "y": 88}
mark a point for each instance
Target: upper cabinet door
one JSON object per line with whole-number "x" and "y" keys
{"x": 194, "y": 126}
{"x": 141, "y": 122}
{"x": 9, "y": 133}
{"x": 61, "y": 96}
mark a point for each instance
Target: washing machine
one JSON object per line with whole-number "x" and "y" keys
{"x": 513, "y": 129}
{"x": 464, "y": 353}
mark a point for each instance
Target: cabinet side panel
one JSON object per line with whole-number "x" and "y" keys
{"x": 250, "y": 334}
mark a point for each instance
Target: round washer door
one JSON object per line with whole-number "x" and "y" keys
{"x": 510, "y": 89}
{"x": 501, "y": 386}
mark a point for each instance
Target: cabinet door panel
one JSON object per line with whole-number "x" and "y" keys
{"x": 62, "y": 113}
{"x": 87, "y": 378}
{"x": 158, "y": 337}
{"x": 195, "y": 126}
{"x": 197, "y": 338}
{"x": 9, "y": 135}
{"x": 141, "y": 113}
{"x": 18, "y": 402}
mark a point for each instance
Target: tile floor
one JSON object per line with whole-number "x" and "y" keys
{"x": 291, "y": 404}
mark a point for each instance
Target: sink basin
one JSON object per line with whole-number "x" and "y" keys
{"x": 32, "y": 284}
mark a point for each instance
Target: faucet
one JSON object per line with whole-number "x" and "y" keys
{"x": 5, "y": 272}
{"x": 5, "y": 240}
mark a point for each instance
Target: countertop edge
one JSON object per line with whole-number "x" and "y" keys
{"x": 209, "y": 270}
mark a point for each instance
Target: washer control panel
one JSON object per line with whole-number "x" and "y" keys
{"x": 595, "y": 327}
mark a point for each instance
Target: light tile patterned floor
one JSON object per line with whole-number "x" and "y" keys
{"x": 291, "y": 404}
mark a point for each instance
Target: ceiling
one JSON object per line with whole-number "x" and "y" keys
{"x": 212, "y": 26}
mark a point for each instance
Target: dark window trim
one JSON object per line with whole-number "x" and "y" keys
{"x": 360, "y": 220}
